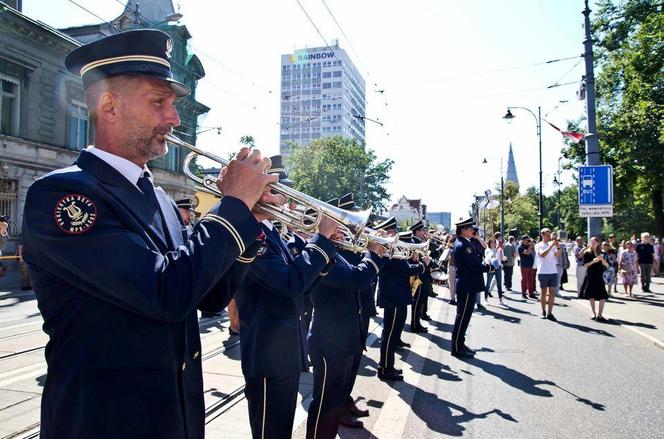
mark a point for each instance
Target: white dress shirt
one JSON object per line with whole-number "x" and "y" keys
{"x": 129, "y": 170}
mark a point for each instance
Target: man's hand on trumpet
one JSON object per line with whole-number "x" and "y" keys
{"x": 245, "y": 178}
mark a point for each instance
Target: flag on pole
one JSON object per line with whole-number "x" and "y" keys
{"x": 571, "y": 135}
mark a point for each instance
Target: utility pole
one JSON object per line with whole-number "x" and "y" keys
{"x": 591, "y": 138}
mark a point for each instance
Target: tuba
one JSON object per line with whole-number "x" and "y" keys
{"x": 310, "y": 210}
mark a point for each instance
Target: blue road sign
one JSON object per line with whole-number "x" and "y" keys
{"x": 595, "y": 185}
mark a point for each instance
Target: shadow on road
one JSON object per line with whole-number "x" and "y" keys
{"x": 586, "y": 329}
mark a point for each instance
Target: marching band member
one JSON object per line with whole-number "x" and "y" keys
{"x": 395, "y": 294}
{"x": 421, "y": 285}
{"x": 337, "y": 337}
{"x": 107, "y": 249}
{"x": 270, "y": 306}
{"x": 469, "y": 282}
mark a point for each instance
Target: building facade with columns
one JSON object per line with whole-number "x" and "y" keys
{"x": 44, "y": 121}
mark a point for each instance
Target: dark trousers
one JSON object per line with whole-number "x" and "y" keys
{"x": 416, "y": 308}
{"x": 393, "y": 322}
{"x": 357, "y": 359}
{"x": 528, "y": 280}
{"x": 465, "y": 306}
{"x": 426, "y": 291}
{"x": 508, "y": 271}
{"x": 328, "y": 404}
{"x": 272, "y": 402}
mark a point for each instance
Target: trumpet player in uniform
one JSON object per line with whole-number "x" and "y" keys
{"x": 337, "y": 336}
{"x": 270, "y": 307}
{"x": 395, "y": 293}
{"x": 124, "y": 350}
{"x": 421, "y": 284}
{"x": 469, "y": 282}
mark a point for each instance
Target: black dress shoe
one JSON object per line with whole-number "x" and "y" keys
{"x": 350, "y": 422}
{"x": 453, "y": 302}
{"x": 432, "y": 294}
{"x": 389, "y": 375}
{"x": 467, "y": 350}
{"x": 403, "y": 344}
{"x": 231, "y": 332}
{"x": 461, "y": 354}
{"x": 421, "y": 330}
{"x": 426, "y": 317}
{"x": 481, "y": 307}
{"x": 357, "y": 412}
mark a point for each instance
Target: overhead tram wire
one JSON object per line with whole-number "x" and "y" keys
{"x": 506, "y": 69}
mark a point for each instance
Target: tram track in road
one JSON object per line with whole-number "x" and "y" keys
{"x": 212, "y": 412}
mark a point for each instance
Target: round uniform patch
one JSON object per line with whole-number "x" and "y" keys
{"x": 262, "y": 249}
{"x": 75, "y": 214}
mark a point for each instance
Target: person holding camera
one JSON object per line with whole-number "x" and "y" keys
{"x": 526, "y": 263}
{"x": 547, "y": 251}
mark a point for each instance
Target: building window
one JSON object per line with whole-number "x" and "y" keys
{"x": 9, "y": 105}
{"x": 78, "y": 125}
{"x": 337, "y": 85}
{"x": 337, "y": 74}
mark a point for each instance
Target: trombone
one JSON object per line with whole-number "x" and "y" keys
{"x": 306, "y": 218}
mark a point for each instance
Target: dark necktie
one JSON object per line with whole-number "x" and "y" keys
{"x": 145, "y": 185}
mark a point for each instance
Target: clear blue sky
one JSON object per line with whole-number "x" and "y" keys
{"x": 449, "y": 69}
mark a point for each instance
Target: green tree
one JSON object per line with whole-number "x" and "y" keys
{"x": 630, "y": 106}
{"x": 332, "y": 166}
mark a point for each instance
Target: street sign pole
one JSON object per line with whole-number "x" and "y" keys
{"x": 591, "y": 138}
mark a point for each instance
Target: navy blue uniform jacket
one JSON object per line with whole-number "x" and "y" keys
{"x": 367, "y": 300}
{"x": 270, "y": 305}
{"x": 336, "y": 327}
{"x": 394, "y": 282}
{"x": 119, "y": 301}
{"x": 469, "y": 267}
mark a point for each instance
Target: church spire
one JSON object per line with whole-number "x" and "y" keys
{"x": 511, "y": 168}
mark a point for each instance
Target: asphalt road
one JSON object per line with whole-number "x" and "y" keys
{"x": 531, "y": 377}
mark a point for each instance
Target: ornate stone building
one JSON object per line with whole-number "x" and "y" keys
{"x": 407, "y": 212}
{"x": 43, "y": 116}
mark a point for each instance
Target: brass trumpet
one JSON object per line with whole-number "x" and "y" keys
{"x": 403, "y": 250}
{"x": 306, "y": 218}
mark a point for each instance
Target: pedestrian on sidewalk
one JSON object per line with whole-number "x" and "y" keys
{"x": 646, "y": 253}
{"x": 526, "y": 262}
{"x": 609, "y": 274}
{"x": 655, "y": 260}
{"x": 593, "y": 285}
{"x": 577, "y": 251}
{"x": 561, "y": 261}
{"x": 509, "y": 251}
{"x": 547, "y": 251}
{"x": 629, "y": 268}
{"x": 493, "y": 258}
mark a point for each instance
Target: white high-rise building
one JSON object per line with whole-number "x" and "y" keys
{"x": 322, "y": 95}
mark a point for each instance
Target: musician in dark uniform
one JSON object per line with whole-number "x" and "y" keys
{"x": 186, "y": 208}
{"x": 117, "y": 278}
{"x": 272, "y": 341}
{"x": 337, "y": 337}
{"x": 469, "y": 282}
{"x": 367, "y": 310}
{"x": 395, "y": 292}
{"x": 423, "y": 287}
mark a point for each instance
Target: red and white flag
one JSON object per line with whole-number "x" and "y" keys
{"x": 571, "y": 135}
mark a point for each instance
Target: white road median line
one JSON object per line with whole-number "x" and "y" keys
{"x": 659, "y": 343}
{"x": 393, "y": 414}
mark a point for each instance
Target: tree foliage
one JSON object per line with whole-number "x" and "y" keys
{"x": 333, "y": 166}
{"x": 630, "y": 107}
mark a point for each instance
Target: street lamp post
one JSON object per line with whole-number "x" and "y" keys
{"x": 538, "y": 120}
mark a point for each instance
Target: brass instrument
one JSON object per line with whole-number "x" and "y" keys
{"x": 403, "y": 250}
{"x": 306, "y": 218}
{"x": 415, "y": 283}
